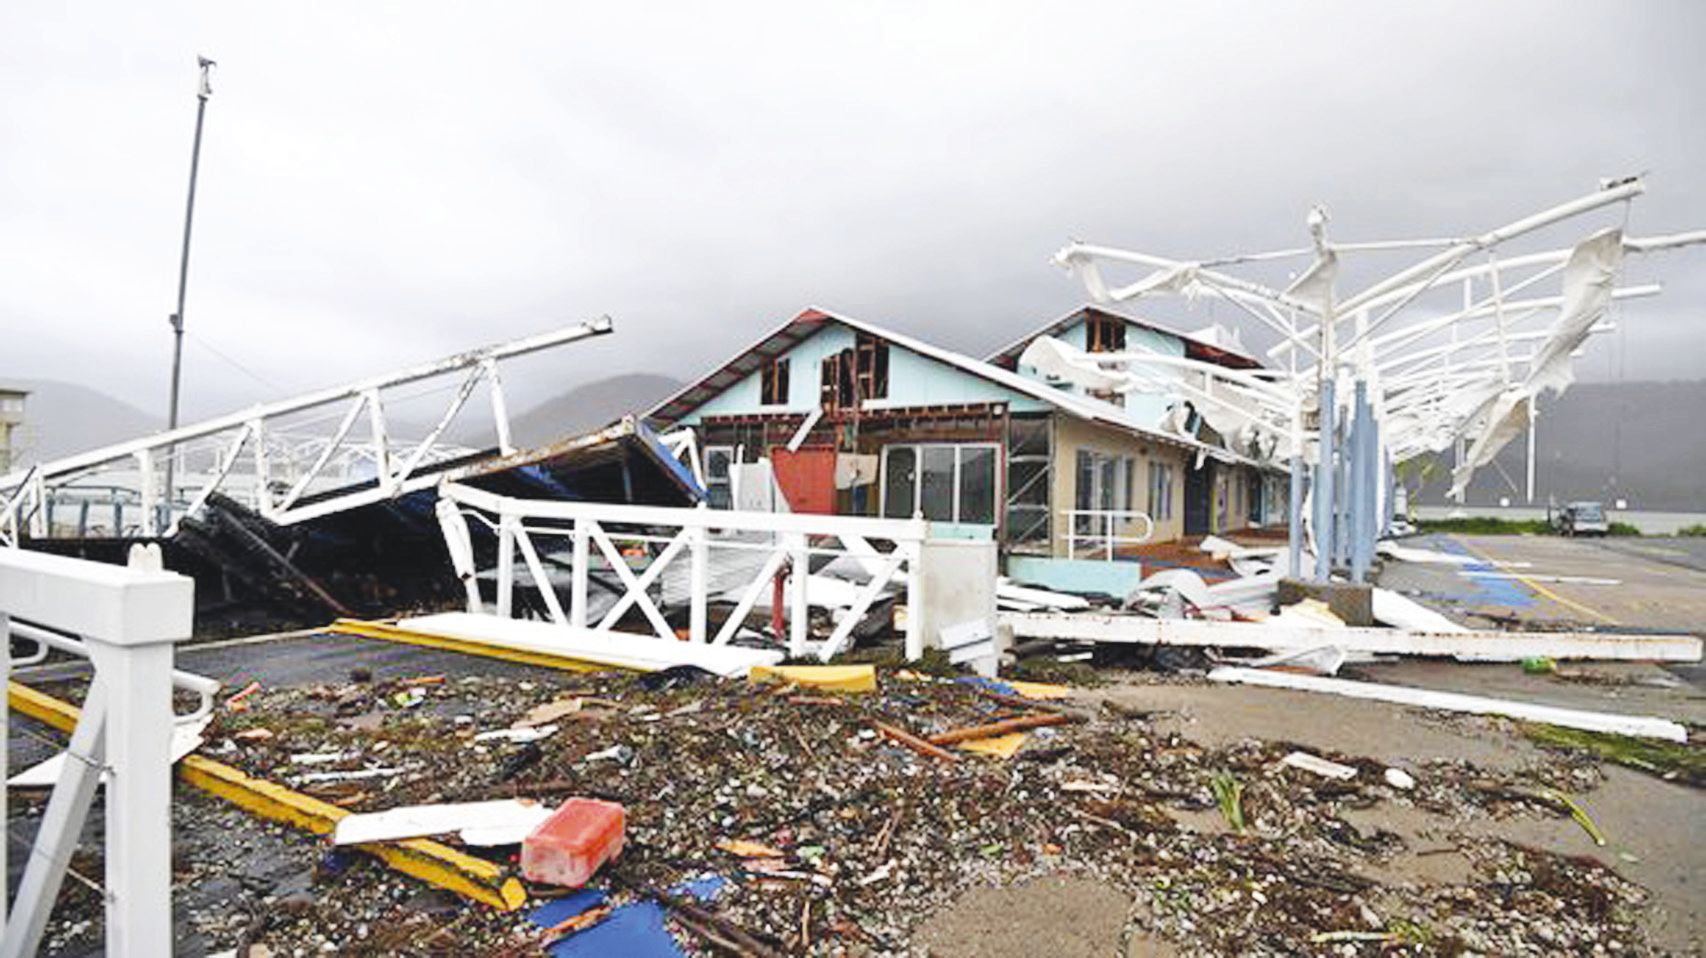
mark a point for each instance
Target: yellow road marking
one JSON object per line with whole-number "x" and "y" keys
{"x": 427, "y": 860}
{"x": 391, "y": 633}
{"x": 1548, "y": 593}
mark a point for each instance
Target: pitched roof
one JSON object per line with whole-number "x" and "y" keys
{"x": 1197, "y": 346}
{"x": 811, "y": 319}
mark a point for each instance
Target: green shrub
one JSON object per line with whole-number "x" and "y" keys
{"x": 1697, "y": 529}
{"x": 1622, "y": 529}
{"x": 1486, "y": 526}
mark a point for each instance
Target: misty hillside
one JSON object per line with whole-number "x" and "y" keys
{"x": 64, "y": 418}
{"x": 590, "y": 406}
{"x": 1645, "y": 442}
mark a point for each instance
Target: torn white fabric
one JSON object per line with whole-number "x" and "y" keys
{"x": 500, "y": 822}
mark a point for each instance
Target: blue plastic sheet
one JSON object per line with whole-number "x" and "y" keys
{"x": 635, "y": 930}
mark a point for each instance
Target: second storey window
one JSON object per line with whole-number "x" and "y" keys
{"x": 1104, "y": 334}
{"x": 773, "y": 384}
{"x": 873, "y": 366}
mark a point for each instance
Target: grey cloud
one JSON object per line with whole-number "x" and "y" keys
{"x": 384, "y": 184}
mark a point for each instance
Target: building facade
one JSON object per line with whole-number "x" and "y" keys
{"x": 855, "y": 419}
{"x": 11, "y": 423}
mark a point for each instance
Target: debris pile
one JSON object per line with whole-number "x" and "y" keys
{"x": 839, "y": 821}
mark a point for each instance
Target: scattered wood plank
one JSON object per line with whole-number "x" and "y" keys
{"x": 993, "y": 729}
{"x": 915, "y": 743}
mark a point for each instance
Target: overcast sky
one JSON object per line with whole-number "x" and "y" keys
{"x": 387, "y": 183}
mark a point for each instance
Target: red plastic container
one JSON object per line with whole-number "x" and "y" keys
{"x": 567, "y": 848}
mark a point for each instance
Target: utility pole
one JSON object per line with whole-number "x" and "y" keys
{"x": 203, "y": 91}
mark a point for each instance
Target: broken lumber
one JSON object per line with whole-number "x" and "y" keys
{"x": 1004, "y": 727}
{"x": 1487, "y": 646}
{"x": 915, "y": 743}
{"x": 1636, "y": 725}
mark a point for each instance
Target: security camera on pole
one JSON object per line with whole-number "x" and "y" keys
{"x": 204, "y": 89}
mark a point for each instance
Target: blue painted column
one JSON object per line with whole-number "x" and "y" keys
{"x": 1324, "y": 486}
{"x": 1346, "y": 449}
{"x": 1362, "y": 487}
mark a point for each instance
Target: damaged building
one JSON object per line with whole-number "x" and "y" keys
{"x": 854, "y": 419}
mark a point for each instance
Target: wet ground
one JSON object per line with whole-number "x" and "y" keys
{"x": 1656, "y": 584}
{"x": 1105, "y": 836}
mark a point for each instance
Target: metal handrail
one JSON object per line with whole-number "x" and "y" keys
{"x": 204, "y": 687}
{"x": 1107, "y": 519}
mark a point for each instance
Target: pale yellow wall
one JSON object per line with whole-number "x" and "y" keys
{"x": 1071, "y": 435}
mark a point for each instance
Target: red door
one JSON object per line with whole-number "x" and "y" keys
{"x": 806, "y": 478}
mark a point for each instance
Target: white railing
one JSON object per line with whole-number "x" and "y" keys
{"x": 128, "y": 620}
{"x": 267, "y": 453}
{"x": 1104, "y": 530}
{"x": 780, "y": 546}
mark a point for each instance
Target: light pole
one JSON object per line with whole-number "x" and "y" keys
{"x": 203, "y": 91}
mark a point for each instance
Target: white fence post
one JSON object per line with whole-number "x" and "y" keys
{"x": 506, "y": 565}
{"x": 698, "y": 582}
{"x": 577, "y": 588}
{"x": 5, "y": 758}
{"x": 138, "y": 683}
{"x": 655, "y": 536}
{"x": 128, "y": 618}
{"x": 915, "y": 597}
{"x": 799, "y": 613}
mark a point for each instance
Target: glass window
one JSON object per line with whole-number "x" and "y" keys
{"x": 977, "y": 484}
{"x": 1084, "y": 491}
{"x": 1027, "y": 524}
{"x": 1027, "y": 484}
{"x": 936, "y": 483}
{"x": 1027, "y": 437}
{"x": 949, "y": 483}
{"x": 719, "y": 462}
{"x": 1160, "y": 491}
{"x": 900, "y": 481}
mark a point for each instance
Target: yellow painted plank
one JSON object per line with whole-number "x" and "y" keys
{"x": 430, "y": 861}
{"x": 999, "y": 746}
{"x": 391, "y": 633}
{"x": 833, "y": 678}
{"x": 1039, "y": 690}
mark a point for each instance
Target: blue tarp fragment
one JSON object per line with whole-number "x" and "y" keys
{"x": 635, "y": 930}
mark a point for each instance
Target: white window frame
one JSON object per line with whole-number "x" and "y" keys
{"x": 959, "y": 462}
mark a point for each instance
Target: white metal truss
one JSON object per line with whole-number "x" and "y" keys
{"x": 293, "y": 460}
{"x": 1435, "y": 372}
{"x": 639, "y": 544}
